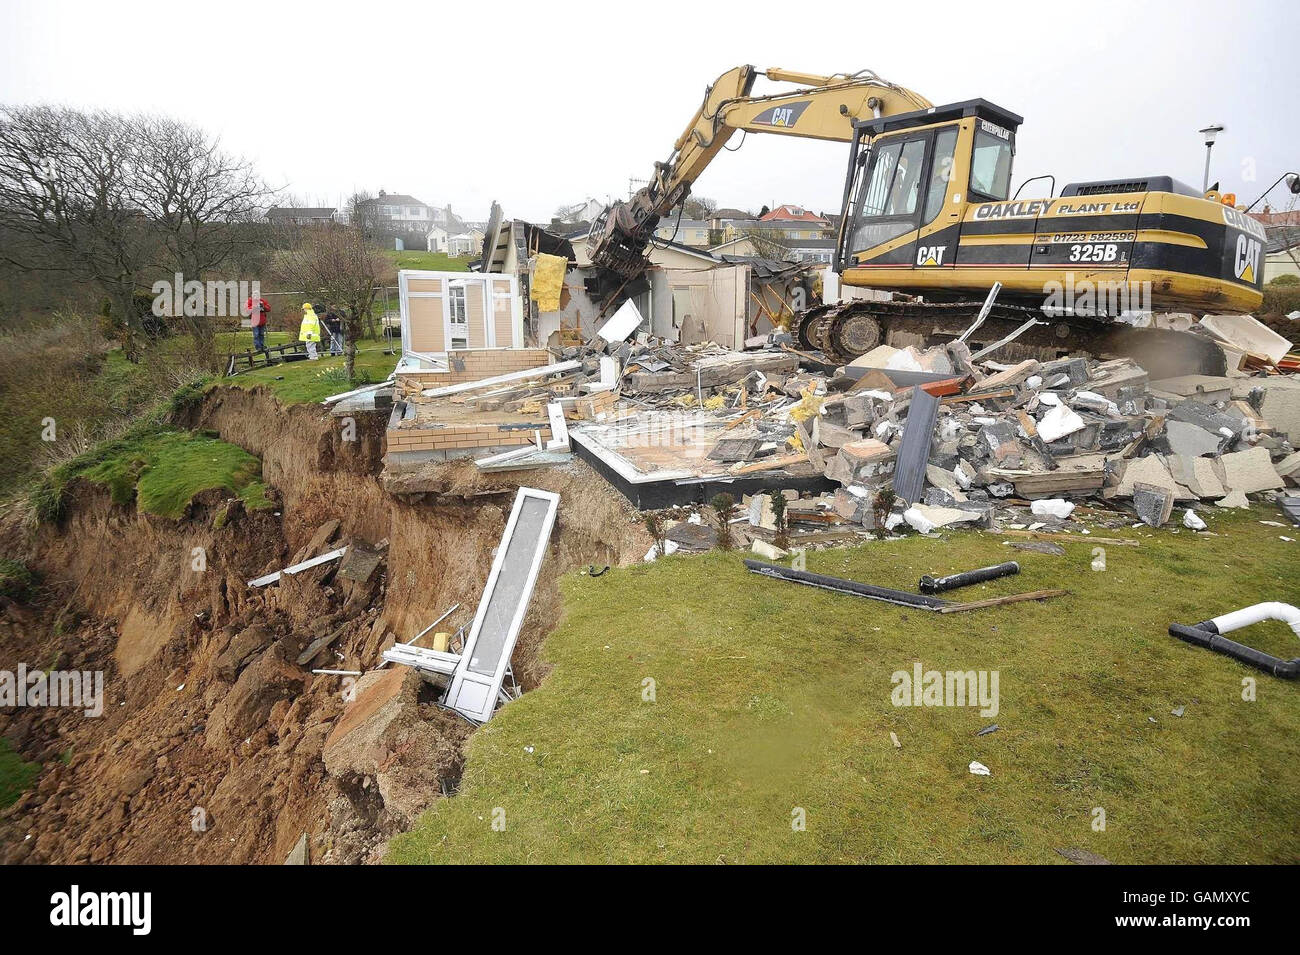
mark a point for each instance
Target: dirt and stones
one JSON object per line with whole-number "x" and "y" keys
{"x": 215, "y": 745}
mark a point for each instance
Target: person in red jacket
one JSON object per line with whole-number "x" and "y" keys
{"x": 258, "y": 312}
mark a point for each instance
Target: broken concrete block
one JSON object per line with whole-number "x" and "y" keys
{"x": 1186, "y": 438}
{"x": 1206, "y": 416}
{"x": 761, "y": 513}
{"x": 1234, "y": 498}
{"x": 831, "y": 435}
{"x": 945, "y": 481}
{"x": 925, "y": 518}
{"x": 866, "y": 461}
{"x": 1154, "y": 504}
{"x": 999, "y": 439}
{"x": 1059, "y": 422}
{"x": 878, "y": 357}
{"x": 1242, "y": 331}
{"x": 853, "y": 504}
{"x": 770, "y": 551}
{"x": 1073, "y": 370}
{"x": 298, "y": 855}
{"x": 1289, "y": 468}
{"x": 1110, "y": 376}
{"x": 1092, "y": 401}
{"x": 1249, "y": 471}
{"x": 1012, "y": 376}
{"x": 1278, "y": 400}
{"x": 1198, "y": 475}
{"x": 1206, "y": 388}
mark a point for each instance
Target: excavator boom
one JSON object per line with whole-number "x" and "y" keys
{"x": 825, "y": 107}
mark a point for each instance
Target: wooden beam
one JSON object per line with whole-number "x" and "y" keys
{"x": 770, "y": 464}
{"x": 999, "y": 601}
{"x": 1073, "y": 538}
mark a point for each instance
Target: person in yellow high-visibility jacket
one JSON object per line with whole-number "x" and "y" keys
{"x": 309, "y": 330}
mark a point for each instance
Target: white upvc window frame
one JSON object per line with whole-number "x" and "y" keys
{"x": 475, "y": 695}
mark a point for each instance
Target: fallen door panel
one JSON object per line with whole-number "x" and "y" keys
{"x": 500, "y": 614}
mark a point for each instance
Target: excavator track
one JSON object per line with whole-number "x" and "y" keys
{"x": 843, "y": 332}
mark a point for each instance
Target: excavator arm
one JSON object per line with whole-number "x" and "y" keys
{"x": 824, "y": 108}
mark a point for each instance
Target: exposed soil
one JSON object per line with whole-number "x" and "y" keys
{"x": 215, "y": 745}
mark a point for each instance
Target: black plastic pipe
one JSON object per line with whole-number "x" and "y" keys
{"x": 935, "y": 585}
{"x": 852, "y": 587}
{"x": 1207, "y": 635}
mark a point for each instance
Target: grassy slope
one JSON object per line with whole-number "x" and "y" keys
{"x": 307, "y": 381}
{"x": 15, "y": 775}
{"x": 773, "y": 696}
{"x": 429, "y": 261}
{"x": 164, "y": 469}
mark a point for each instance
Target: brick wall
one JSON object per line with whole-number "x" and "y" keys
{"x": 462, "y": 437}
{"x": 479, "y": 364}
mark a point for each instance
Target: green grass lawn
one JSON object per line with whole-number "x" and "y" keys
{"x": 773, "y": 697}
{"x": 429, "y": 261}
{"x": 308, "y": 381}
{"x": 161, "y": 470}
{"x": 15, "y": 775}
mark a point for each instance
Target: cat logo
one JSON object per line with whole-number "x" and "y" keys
{"x": 781, "y": 116}
{"x": 1246, "y": 263}
{"x": 930, "y": 254}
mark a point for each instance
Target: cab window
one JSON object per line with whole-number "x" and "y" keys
{"x": 990, "y": 170}
{"x": 875, "y": 188}
{"x": 945, "y": 148}
{"x": 906, "y": 189}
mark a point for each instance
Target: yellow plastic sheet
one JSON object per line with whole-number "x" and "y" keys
{"x": 548, "y": 280}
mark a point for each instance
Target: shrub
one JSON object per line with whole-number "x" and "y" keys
{"x": 16, "y": 580}
{"x": 724, "y": 509}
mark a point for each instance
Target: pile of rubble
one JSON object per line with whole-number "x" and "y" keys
{"x": 932, "y": 438}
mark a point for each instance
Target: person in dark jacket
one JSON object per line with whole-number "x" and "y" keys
{"x": 334, "y": 325}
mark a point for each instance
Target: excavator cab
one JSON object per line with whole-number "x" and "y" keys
{"x": 911, "y": 178}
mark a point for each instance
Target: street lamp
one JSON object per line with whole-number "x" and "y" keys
{"x": 1209, "y": 132}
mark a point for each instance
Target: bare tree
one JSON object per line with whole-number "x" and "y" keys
{"x": 363, "y": 214}
{"x": 700, "y": 207}
{"x": 68, "y": 198}
{"x": 339, "y": 264}
{"x": 766, "y": 245}
{"x": 118, "y": 199}
{"x": 202, "y": 200}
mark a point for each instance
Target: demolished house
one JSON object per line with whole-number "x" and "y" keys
{"x": 952, "y": 440}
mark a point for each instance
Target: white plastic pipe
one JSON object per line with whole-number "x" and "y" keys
{"x": 1266, "y": 611}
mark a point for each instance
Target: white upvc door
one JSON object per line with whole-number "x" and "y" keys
{"x": 456, "y": 312}
{"x": 482, "y": 666}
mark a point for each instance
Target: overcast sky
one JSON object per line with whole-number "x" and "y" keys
{"x": 547, "y": 104}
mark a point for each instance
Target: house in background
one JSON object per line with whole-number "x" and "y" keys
{"x": 403, "y": 221}
{"x": 1282, "y": 252}
{"x": 435, "y": 240}
{"x": 301, "y": 216}
{"x": 585, "y": 211}
{"x": 692, "y": 232}
{"x": 465, "y": 243}
{"x": 795, "y": 223}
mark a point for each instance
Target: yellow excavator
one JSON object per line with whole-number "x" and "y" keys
{"x": 928, "y": 214}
